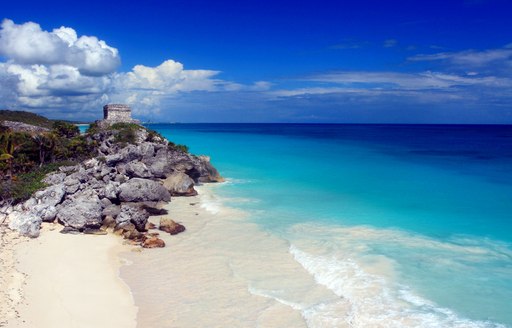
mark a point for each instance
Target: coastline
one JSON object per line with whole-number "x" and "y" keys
{"x": 69, "y": 281}
{"x": 224, "y": 271}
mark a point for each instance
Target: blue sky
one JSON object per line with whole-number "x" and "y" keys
{"x": 261, "y": 61}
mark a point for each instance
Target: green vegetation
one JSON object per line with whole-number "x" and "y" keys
{"x": 25, "y": 117}
{"x": 24, "y": 185}
{"x": 26, "y": 157}
{"x": 93, "y": 128}
{"x": 177, "y": 147}
{"x": 126, "y": 132}
{"x": 65, "y": 129}
{"x": 153, "y": 135}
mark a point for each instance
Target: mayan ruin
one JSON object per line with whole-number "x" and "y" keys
{"x": 118, "y": 113}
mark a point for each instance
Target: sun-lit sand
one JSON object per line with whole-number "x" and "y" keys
{"x": 71, "y": 281}
{"x": 223, "y": 271}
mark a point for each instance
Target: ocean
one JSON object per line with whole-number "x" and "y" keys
{"x": 404, "y": 225}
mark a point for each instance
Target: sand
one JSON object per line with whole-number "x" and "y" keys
{"x": 67, "y": 281}
{"x": 11, "y": 280}
{"x": 223, "y": 271}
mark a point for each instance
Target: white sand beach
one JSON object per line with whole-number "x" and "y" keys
{"x": 223, "y": 271}
{"x": 68, "y": 281}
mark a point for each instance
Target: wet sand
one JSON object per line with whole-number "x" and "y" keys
{"x": 223, "y": 271}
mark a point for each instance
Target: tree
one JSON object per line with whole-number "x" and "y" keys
{"x": 46, "y": 143}
{"x": 9, "y": 143}
{"x": 65, "y": 129}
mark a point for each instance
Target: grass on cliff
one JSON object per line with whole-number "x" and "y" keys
{"x": 25, "y": 117}
{"x": 24, "y": 185}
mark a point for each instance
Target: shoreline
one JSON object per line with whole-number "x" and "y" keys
{"x": 221, "y": 272}
{"x": 70, "y": 281}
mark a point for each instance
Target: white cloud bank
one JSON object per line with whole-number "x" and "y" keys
{"x": 60, "y": 70}
{"x": 28, "y": 44}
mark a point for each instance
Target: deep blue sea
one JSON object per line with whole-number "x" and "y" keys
{"x": 412, "y": 223}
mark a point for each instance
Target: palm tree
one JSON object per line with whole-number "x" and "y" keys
{"x": 46, "y": 142}
{"x": 9, "y": 143}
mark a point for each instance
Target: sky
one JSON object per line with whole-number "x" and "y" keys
{"x": 260, "y": 61}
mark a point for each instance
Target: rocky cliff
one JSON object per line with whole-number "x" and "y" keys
{"x": 116, "y": 189}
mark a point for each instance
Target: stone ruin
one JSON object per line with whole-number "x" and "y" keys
{"x": 117, "y": 113}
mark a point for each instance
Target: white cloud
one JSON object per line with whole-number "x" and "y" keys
{"x": 60, "y": 69}
{"x": 493, "y": 59}
{"x": 28, "y": 44}
{"x": 408, "y": 81}
{"x": 168, "y": 77}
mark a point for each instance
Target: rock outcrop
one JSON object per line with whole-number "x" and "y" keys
{"x": 114, "y": 190}
{"x": 180, "y": 184}
{"x": 141, "y": 190}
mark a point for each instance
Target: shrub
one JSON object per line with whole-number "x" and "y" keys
{"x": 177, "y": 147}
{"x": 21, "y": 187}
{"x": 65, "y": 129}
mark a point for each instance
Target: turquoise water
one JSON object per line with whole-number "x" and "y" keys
{"x": 413, "y": 222}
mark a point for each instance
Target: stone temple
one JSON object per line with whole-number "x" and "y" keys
{"x": 117, "y": 113}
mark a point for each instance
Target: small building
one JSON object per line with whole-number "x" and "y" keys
{"x": 118, "y": 113}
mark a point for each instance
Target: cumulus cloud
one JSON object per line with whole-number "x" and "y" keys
{"x": 28, "y": 44}
{"x": 59, "y": 69}
{"x": 168, "y": 77}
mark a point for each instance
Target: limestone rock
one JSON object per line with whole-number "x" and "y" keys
{"x": 26, "y": 223}
{"x": 81, "y": 211}
{"x": 153, "y": 242}
{"x": 111, "y": 210}
{"x": 140, "y": 190}
{"x": 137, "y": 169}
{"x": 46, "y": 212}
{"x": 180, "y": 184}
{"x": 50, "y": 196}
{"x": 134, "y": 214}
{"x": 54, "y": 178}
{"x": 170, "y": 226}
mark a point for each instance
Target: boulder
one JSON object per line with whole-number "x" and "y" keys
{"x": 105, "y": 202}
{"x": 71, "y": 185}
{"x": 46, "y": 212}
{"x": 110, "y": 190}
{"x": 180, "y": 184}
{"x": 111, "y": 210}
{"x": 137, "y": 169}
{"x": 128, "y": 231}
{"x": 82, "y": 210}
{"x": 50, "y": 196}
{"x": 153, "y": 242}
{"x": 208, "y": 173}
{"x": 170, "y": 226}
{"x": 134, "y": 214}
{"x": 160, "y": 169}
{"x": 146, "y": 150}
{"x": 26, "y": 223}
{"x": 140, "y": 190}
